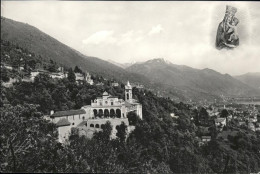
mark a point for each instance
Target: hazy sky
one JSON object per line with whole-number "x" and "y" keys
{"x": 181, "y": 32}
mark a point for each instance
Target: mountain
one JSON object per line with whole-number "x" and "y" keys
{"x": 252, "y": 79}
{"x": 35, "y": 41}
{"x": 186, "y": 82}
{"x": 122, "y": 65}
{"x": 158, "y": 75}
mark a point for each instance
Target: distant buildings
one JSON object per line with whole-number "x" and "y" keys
{"x": 55, "y": 75}
{"x": 115, "y": 84}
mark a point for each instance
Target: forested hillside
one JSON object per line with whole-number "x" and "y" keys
{"x": 159, "y": 144}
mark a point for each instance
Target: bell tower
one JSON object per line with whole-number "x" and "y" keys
{"x": 128, "y": 92}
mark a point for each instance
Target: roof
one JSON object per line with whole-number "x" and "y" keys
{"x": 112, "y": 97}
{"x": 205, "y": 136}
{"x": 220, "y": 119}
{"x": 83, "y": 123}
{"x": 62, "y": 122}
{"x": 127, "y": 104}
{"x": 69, "y": 112}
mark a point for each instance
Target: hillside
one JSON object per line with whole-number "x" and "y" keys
{"x": 35, "y": 41}
{"x": 190, "y": 82}
{"x": 252, "y": 79}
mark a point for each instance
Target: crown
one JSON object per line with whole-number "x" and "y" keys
{"x": 231, "y": 10}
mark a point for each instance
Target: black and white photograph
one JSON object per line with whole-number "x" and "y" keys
{"x": 153, "y": 87}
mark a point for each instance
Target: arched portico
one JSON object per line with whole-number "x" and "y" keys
{"x": 112, "y": 113}
{"x": 118, "y": 113}
{"x": 106, "y": 113}
{"x": 95, "y": 112}
{"x": 100, "y": 113}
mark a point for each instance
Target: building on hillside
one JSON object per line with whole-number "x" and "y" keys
{"x": 89, "y": 80}
{"x": 6, "y": 66}
{"x": 100, "y": 84}
{"x": 61, "y": 69}
{"x": 59, "y": 75}
{"x": 65, "y": 120}
{"x": 92, "y": 117}
{"x": 115, "y": 84}
{"x": 251, "y": 126}
{"x": 205, "y": 138}
{"x": 257, "y": 127}
{"x": 79, "y": 78}
{"x": 10, "y": 82}
{"x": 35, "y": 73}
{"x": 220, "y": 123}
{"x": 138, "y": 86}
{"x": 174, "y": 116}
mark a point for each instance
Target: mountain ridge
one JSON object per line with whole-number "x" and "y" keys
{"x": 205, "y": 81}
{"x": 250, "y": 78}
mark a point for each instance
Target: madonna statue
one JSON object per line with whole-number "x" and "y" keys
{"x": 227, "y": 36}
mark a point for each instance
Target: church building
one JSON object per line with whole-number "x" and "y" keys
{"x": 91, "y": 118}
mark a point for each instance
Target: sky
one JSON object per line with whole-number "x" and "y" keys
{"x": 181, "y": 32}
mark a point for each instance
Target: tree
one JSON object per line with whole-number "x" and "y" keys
{"x": 224, "y": 113}
{"x": 28, "y": 143}
{"x": 71, "y": 76}
{"x": 132, "y": 118}
{"x": 121, "y": 132}
{"x": 77, "y": 70}
{"x": 104, "y": 135}
{"x": 4, "y": 75}
{"x": 204, "y": 118}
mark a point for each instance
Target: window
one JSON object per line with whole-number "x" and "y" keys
{"x": 97, "y": 126}
{"x": 106, "y": 102}
{"x": 73, "y": 123}
{"x": 91, "y": 125}
{"x": 112, "y": 103}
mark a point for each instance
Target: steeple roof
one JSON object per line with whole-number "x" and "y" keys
{"x": 128, "y": 85}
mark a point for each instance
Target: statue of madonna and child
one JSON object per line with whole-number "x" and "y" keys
{"x": 227, "y": 36}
